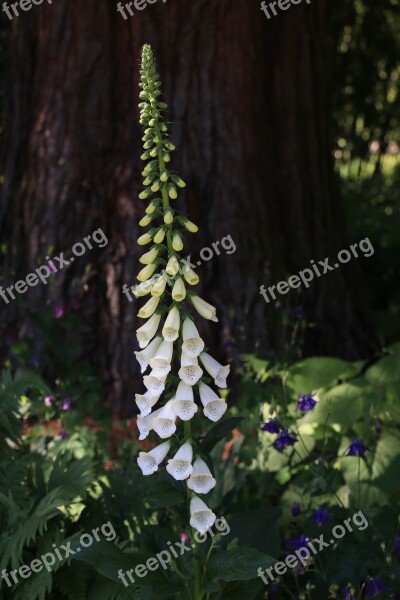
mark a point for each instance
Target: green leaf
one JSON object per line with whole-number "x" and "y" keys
{"x": 237, "y": 590}
{"x": 313, "y": 373}
{"x": 238, "y": 564}
{"x": 218, "y": 433}
{"x": 250, "y": 528}
{"x": 387, "y": 370}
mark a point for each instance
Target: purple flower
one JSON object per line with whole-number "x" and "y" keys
{"x": 375, "y": 586}
{"x": 48, "y": 400}
{"x": 59, "y": 310}
{"x": 297, "y": 543}
{"x": 320, "y": 516}
{"x": 184, "y": 537}
{"x": 347, "y": 593}
{"x": 67, "y": 404}
{"x": 272, "y": 426}
{"x": 305, "y": 403}
{"x": 284, "y": 440}
{"x": 357, "y": 448}
{"x": 35, "y": 361}
{"x": 63, "y": 434}
{"x": 295, "y": 509}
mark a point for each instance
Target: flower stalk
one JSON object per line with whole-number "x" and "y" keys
{"x": 170, "y": 342}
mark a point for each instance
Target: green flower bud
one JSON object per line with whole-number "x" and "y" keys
{"x": 156, "y": 186}
{"x": 178, "y": 181}
{"x": 168, "y": 217}
{"x": 164, "y": 176}
{"x": 145, "y": 221}
{"x": 145, "y": 194}
{"x": 144, "y": 239}
{"x": 177, "y": 243}
{"x": 160, "y": 235}
{"x": 172, "y": 193}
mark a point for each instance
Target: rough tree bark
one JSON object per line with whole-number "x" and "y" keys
{"x": 250, "y": 103}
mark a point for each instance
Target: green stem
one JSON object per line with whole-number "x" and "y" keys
{"x": 164, "y": 191}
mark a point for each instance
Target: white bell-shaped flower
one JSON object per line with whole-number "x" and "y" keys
{"x": 179, "y": 290}
{"x": 180, "y": 467}
{"x": 144, "y": 356}
{"x": 217, "y": 371}
{"x": 146, "y": 332}
{"x": 184, "y": 405}
{"x": 158, "y": 288}
{"x": 149, "y": 308}
{"x": 145, "y": 424}
{"x": 170, "y": 330}
{"x": 214, "y": 406}
{"x": 190, "y": 372}
{"x": 155, "y": 385}
{"x": 148, "y": 461}
{"x": 192, "y": 345}
{"x": 164, "y": 423}
{"x": 201, "y": 517}
{"x": 206, "y": 310}
{"x": 201, "y": 480}
{"x": 161, "y": 361}
{"x": 145, "y": 403}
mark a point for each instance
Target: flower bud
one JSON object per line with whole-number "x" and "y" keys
{"x": 168, "y": 217}
{"x": 179, "y": 290}
{"x": 177, "y": 243}
{"x": 190, "y": 226}
{"x": 146, "y": 272}
{"x": 149, "y": 257}
{"x": 172, "y": 193}
{"x": 172, "y": 267}
{"x": 160, "y": 235}
{"x": 190, "y": 276}
{"x": 144, "y": 239}
{"x": 158, "y": 288}
{"x": 145, "y": 221}
{"x": 149, "y": 308}
{"x": 164, "y": 176}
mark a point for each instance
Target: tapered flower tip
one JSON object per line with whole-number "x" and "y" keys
{"x": 164, "y": 423}
{"x": 148, "y": 461}
{"x": 201, "y": 480}
{"x": 145, "y": 403}
{"x": 146, "y": 332}
{"x": 170, "y": 330}
{"x": 217, "y": 371}
{"x": 161, "y": 362}
{"x": 190, "y": 372}
{"x": 192, "y": 345}
{"x": 204, "y": 309}
{"x": 145, "y": 424}
{"x": 180, "y": 467}
{"x": 201, "y": 517}
{"x": 155, "y": 385}
{"x": 144, "y": 356}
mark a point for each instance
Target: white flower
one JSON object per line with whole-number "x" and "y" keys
{"x": 159, "y": 285}
{"x": 148, "y": 461}
{"x": 164, "y": 423}
{"x": 201, "y": 517}
{"x": 217, "y": 371}
{"x": 149, "y": 308}
{"x": 190, "y": 276}
{"x": 172, "y": 267}
{"x": 203, "y": 308}
{"x": 170, "y": 330}
{"x": 143, "y": 288}
{"x": 214, "y": 406}
{"x": 155, "y": 385}
{"x": 145, "y": 424}
{"x": 177, "y": 243}
{"x": 183, "y": 403}
{"x": 190, "y": 372}
{"x": 144, "y": 356}
{"x": 201, "y": 480}
{"x": 146, "y": 332}
{"x": 180, "y": 467}
{"x": 161, "y": 362}
{"x": 192, "y": 345}
{"x": 145, "y": 403}
{"x": 179, "y": 290}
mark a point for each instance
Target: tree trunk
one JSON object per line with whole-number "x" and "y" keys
{"x": 249, "y": 102}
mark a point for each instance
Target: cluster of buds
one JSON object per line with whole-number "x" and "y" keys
{"x": 170, "y": 337}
